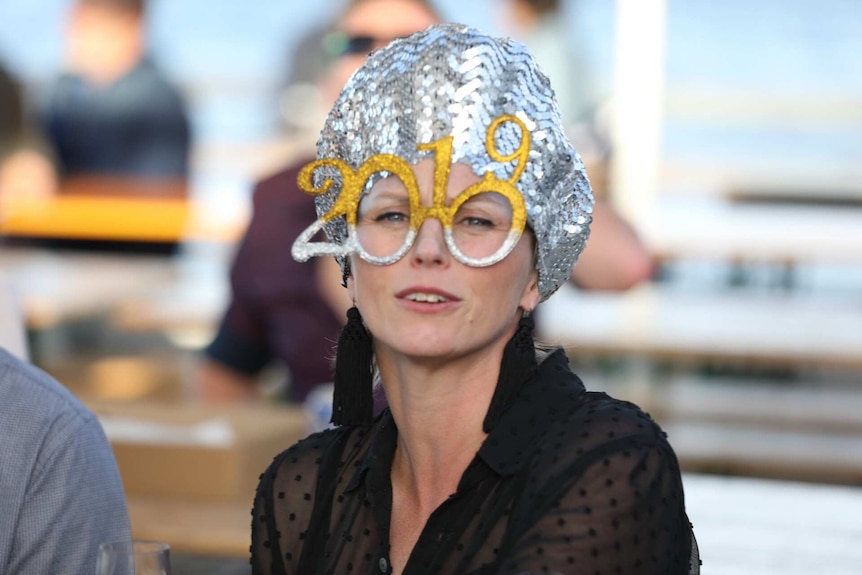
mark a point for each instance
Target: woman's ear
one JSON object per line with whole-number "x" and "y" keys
{"x": 350, "y": 284}
{"x": 531, "y": 296}
{"x": 329, "y": 278}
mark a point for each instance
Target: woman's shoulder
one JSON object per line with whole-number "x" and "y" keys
{"x": 601, "y": 430}
{"x": 619, "y": 417}
{"x": 578, "y": 413}
{"x": 305, "y": 457}
{"x": 597, "y": 436}
{"x": 602, "y": 421}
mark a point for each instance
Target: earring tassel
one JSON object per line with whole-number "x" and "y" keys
{"x": 352, "y": 401}
{"x": 517, "y": 366}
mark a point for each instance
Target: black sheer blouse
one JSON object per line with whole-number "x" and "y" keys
{"x": 569, "y": 481}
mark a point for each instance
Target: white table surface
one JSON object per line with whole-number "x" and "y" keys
{"x": 779, "y": 328}
{"x": 718, "y": 229}
{"x": 58, "y": 286}
{"x": 763, "y": 527}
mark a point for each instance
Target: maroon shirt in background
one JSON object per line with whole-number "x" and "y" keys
{"x": 276, "y": 310}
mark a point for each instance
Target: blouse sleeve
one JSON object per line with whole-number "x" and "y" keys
{"x": 623, "y": 513}
{"x": 284, "y": 506}
{"x": 265, "y": 534}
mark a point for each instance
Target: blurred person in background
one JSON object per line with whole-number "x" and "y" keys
{"x": 543, "y": 27}
{"x": 621, "y": 260}
{"x": 280, "y": 309}
{"x": 61, "y": 491}
{"x": 26, "y": 170}
{"x": 112, "y": 111}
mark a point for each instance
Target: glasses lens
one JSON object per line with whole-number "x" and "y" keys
{"x": 482, "y": 224}
{"x": 359, "y": 44}
{"x": 383, "y": 221}
{"x": 340, "y": 44}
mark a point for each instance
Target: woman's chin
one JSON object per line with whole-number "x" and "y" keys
{"x": 422, "y": 344}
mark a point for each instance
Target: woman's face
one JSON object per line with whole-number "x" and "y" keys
{"x": 428, "y": 304}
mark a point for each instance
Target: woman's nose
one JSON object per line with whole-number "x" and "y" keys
{"x": 430, "y": 245}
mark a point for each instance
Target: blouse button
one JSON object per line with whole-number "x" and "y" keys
{"x": 384, "y": 565}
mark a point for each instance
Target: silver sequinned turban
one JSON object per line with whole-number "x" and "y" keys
{"x": 452, "y": 80}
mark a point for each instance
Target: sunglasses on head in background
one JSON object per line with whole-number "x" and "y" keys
{"x": 340, "y": 44}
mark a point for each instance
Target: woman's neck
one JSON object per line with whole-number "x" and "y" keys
{"x": 439, "y": 410}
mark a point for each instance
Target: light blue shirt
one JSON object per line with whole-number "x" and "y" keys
{"x": 12, "y": 335}
{"x": 60, "y": 491}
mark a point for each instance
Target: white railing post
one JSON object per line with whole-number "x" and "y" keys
{"x": 638, "y": 100}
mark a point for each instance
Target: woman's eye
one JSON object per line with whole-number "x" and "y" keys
{"x": 477, "y": 222}
{"x": 392, "y": 216}
{"x": 484, "y": 211}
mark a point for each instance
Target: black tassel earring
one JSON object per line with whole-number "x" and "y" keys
{"x": 518, "y": 366}
{"x": 352, "y": 401}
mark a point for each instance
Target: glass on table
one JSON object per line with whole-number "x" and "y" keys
{"x": 134, "y": 558}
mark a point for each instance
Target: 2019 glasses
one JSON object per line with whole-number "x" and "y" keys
{"x": 481, "y": 225}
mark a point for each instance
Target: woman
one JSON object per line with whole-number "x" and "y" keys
{"x": 456, "y": 204}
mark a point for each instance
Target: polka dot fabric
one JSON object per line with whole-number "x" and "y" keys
{"x": 569, "y": 481}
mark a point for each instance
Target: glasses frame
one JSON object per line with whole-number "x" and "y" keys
{"x": 353, "y": 186}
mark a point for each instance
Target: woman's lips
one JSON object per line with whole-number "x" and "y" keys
{"x": 425, "y": 298}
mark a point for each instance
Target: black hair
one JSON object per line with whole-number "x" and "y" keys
{"x": 11, "y": 108}
{"x": 136, "y": 7}
{"x": 428, "y": 5}
{"x": 542, "y": 7}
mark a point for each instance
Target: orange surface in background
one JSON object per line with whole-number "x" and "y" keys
{"x": 118, "y": 209}
{"x": 100, "y": 218}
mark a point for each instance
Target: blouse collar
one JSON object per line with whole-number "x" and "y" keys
{"x": 550, "y": 397}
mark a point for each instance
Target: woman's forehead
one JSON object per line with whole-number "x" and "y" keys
{"x": 387, "y": 18}
{"x": 461, "y": 176}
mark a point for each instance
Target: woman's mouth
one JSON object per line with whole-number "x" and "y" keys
{"x": 420, "y": 294}
{"x": 426, "y": 297}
